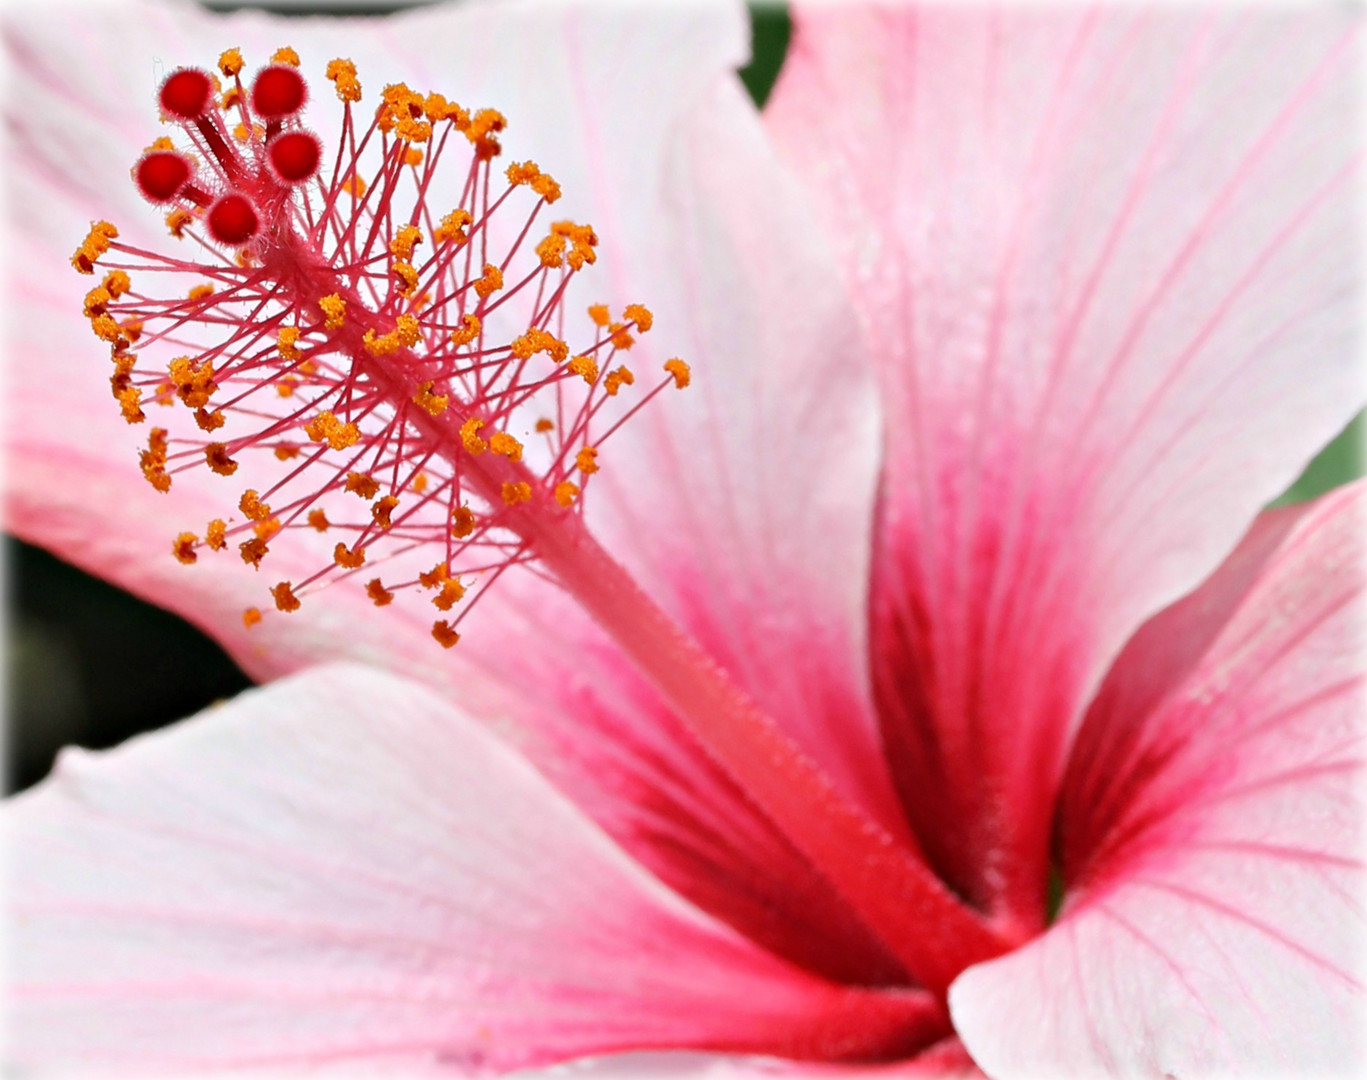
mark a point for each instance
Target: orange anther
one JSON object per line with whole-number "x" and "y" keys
{"x": 445, "y": 635}
{"x": 285, "y": 600}
{"x": 184, "y": 548}
{"x": 348, "y": 558}
{"x": 681, "y": 372}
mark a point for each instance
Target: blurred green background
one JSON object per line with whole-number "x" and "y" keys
{"x": 91, "y": 665}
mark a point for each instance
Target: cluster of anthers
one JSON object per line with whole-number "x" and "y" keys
{"x": 333, "y": 335}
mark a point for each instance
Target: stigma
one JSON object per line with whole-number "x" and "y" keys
{"x": 368, "y": 336}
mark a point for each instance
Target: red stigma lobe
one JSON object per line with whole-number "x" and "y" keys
{"x": 295, "y": 155}
{"x": 279, "y": 91}
{"x": 233, "y": 220}
{"x": 186, "y": 93}
{"x": 161, "y": 175}
{"x": 375, "y": 346}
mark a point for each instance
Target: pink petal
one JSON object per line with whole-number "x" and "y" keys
{"x": 1106, "y": 259}
{"x": 1211, "y": 831}
{"x": 342, "y": 867}
{"x": 742, "y": 504}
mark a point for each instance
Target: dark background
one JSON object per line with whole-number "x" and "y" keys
{"x": 90, "y": 664}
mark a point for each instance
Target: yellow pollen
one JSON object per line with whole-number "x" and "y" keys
{"x": 445, "y": 635}
{"x": 599, "y": 314}
{"x": 216, "y": 535}
{"x": 231, "y": 97}
{"x": 250, "y": 617}
{"x": 544, "y": 425}
{"x": 286, "y": 452}
{"x": 162, "y": 142}
{"x": 530, "y": 174}
{"x": 334, "y": 310}
{"x": 194, "y": 383}
{"x": 412, "y": 156}
{"x": 408, "y": 278}
{"x": 518, "y": 492}
{"x": 319, "y": 520}
{"x": 230, "y": 62}
{"x": 95, "y": 244}
{"x": 453, "y": 227}
{"x": 378, "y": 593}
{"x": 620, "y": 338}
{"x": 285, "y": 600}
{"x": 253, "y": 551}
{"x": 216, "y": 455}
{"x": 432, "y": 579}
{"x": 130, "y": 404}
{"x": 501, "y": 442}
{"x": 585, "y": 366}
{"x": 537, "y": 340}
{"x": 348, "y": 558}
{"x": 342, "y": 73}
{"x": 285, "y": 55}
{"x": 463, "y": 522}
{"x": 681, "y": 372}
{"x": 405, "y": 240}
{"x": 469, "y": 435}
{"x": 640, "y": 315}
{"x": 587, "y": 460}
{"x": 565, "y": 492}
{"x": 268, "y": 528}
{"x": 381, "y": 510}
{"x": 184, "y": 548}
{"x": 287, "y": 342}
{"x": 490, "y": 283}
{"x": 435, "y": 404}
{"x": 480, "y": 131}
{"x": 354, "y": 185}
{"x": 176, "y": 221}
{"x": 470, "y": 328}
{"x": 106, "y": 329}
{"x": 400, "y": 114}
{"x": 132, "y": 328}
{"x": 95, "y": 301}
{"x": 419, "y": 484}
{"x": 116, "y": 281}
{"x": 361, "y": 484}
{"x": 285, "y": 387}
{"x": 209, "y": 421}
{"x": 452, "y": 591}
{"x": 551, "y": 252}
{"x": 251, "y": 505}
{"x": 327, "y": 428}
{"x": 201, "y": 292}
{"x": 615, "y": 380}
{"x": 153, "y": 460}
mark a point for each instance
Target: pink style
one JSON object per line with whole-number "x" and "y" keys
{"x": 883, "y": 660}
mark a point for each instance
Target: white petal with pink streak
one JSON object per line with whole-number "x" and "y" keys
{"x": 342, "y": 868}
{"x": 1214, "y": 825}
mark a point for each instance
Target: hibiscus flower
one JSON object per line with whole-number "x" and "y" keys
{"x": 922, "y": 686}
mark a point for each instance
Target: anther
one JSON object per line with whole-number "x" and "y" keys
{"x": 285, "y": 600}
{"x": 680, "y": 371}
